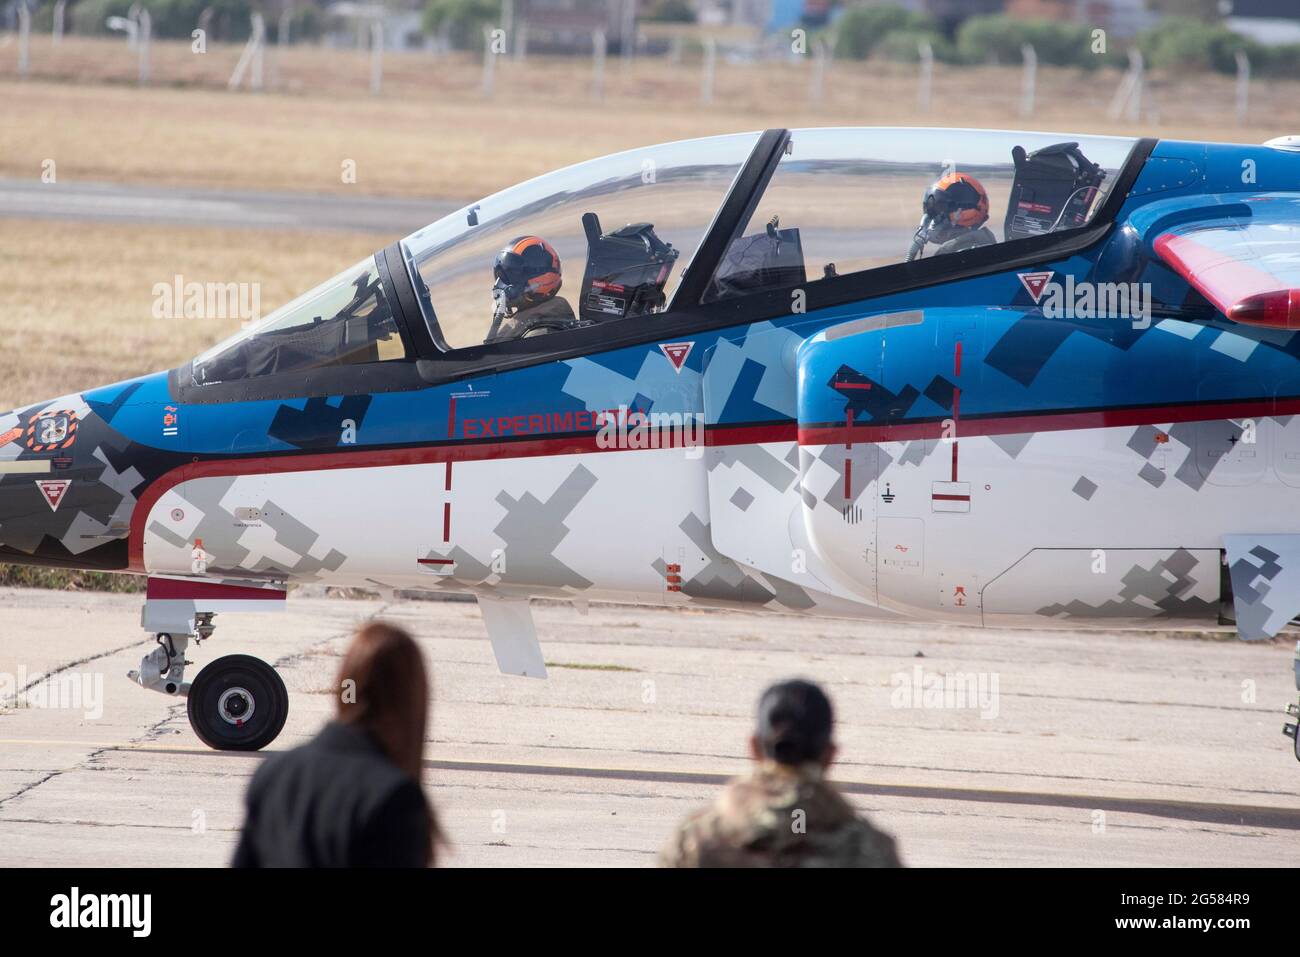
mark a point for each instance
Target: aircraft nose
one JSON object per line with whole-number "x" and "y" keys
{"x": 54, "y": 508}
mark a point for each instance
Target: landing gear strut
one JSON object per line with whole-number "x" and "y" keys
{"x": 236, "y": 703}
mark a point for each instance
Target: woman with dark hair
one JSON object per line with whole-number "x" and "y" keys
{"x": 351, "y": 797}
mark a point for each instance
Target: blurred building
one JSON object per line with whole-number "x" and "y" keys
{"x": 1267, "y": 21}
{"x": 764, "y": 14}
{"x": 1122, "y": 18}
{"x": 716, "y": 13}
{"x": 347, "y": 24}
{"x": 567, "y": 26}
{"x": 774, "y": 15}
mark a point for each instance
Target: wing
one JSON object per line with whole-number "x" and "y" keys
{"x": 1247, "y": 263}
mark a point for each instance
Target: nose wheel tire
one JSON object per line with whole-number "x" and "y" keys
{"x": 237, "y": 703}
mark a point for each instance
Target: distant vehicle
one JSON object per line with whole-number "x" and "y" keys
{"x": 1067, "y": 398}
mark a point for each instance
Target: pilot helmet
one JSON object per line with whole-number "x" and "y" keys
{"x": 527, "y": 272}
{"x": 956, "y": 201}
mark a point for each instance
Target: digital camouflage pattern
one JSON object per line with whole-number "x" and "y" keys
{"x": 779, "y": 817}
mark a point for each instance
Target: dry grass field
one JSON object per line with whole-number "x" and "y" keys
{"x": 75, "y": 299}
{"x": 433, "y": 132}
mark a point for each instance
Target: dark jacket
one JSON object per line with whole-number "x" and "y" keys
{"x": 337, "y": 801}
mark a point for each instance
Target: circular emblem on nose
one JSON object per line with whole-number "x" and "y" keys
{"x": 178, "y": 514}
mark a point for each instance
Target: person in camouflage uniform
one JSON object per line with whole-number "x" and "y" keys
{"x": 785, "y": 813}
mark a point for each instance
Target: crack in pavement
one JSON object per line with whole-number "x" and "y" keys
{"x": 32, "y": 786}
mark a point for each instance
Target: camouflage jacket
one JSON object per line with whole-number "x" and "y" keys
{"x": 779, "y": 817}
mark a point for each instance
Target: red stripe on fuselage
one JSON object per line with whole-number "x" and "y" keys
{"x": 360, "y": 458}
{"x": 754, "y": 434}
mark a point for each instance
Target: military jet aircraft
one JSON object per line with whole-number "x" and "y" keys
{"x": 993, "y": 378}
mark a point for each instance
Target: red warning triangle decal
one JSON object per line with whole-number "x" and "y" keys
{"x": 53, "y": 490}
{"x": 1035, "y": 283}
{"x": 677, "y": 353}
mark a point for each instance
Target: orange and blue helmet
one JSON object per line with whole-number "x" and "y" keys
{"x": 957, "y": 200}
{"x": 527, "y": 272}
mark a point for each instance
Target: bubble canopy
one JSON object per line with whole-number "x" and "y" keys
{"x": 594, "y": 253}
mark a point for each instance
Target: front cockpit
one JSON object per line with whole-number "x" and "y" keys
{"x": 346, "y": 321}
{"x": 611, "y": 240}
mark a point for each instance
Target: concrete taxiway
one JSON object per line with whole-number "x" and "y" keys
{"x": 240, "y": 209}
{"x": 1082, "y": 748}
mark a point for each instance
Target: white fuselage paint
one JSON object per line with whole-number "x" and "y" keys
{"x": 1025, "y": 547}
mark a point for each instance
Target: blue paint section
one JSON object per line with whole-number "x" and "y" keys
{"x": 1038, "y": 365}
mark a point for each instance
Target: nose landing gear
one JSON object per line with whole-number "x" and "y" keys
{"x": 236, "y": 703}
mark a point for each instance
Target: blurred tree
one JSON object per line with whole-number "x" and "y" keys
{"x": 860, "y": 29}
{"x": 905, "y": 45}
{"x": 168, "y": 18}
{"x": 461, "y": 22}
{"x": 1183, "y": 43}
{"x": 668, "y": 11}
{"x": 1208, "y": 11}
{"x": 998, "y": 39}
{"x": 1282, "y": 60}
